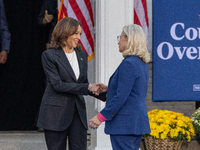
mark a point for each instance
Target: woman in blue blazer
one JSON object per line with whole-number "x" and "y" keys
{"x": 125, "y": 112}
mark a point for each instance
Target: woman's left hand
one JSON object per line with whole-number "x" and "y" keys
{"x": 94, "y": 122}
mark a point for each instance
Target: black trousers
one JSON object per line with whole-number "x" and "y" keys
{"x": 76, "y": 133}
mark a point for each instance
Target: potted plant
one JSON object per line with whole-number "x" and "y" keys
{"x": 168, "y": 130}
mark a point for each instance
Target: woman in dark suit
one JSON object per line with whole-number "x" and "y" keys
{"x": 125, "y": 112}
{"x": 62, "y": 112}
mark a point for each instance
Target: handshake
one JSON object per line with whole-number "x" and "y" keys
{"x": 97, "y": 88}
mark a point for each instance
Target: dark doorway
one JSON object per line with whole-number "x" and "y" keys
{"x": 22, "y": 77}
{"x": 197, "y": 104}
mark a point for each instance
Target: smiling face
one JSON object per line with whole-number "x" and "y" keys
{"x": 122, "y": 42}
{"x": 72, "y": 40}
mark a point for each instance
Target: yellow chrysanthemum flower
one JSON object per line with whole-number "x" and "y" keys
{"x": 168, "y": 124}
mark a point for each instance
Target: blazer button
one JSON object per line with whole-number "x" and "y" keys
{"x": 113, "y": 115}
{"x": 107, "y": 99}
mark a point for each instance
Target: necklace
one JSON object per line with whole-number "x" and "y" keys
{"x": 72, "y": 57}
{"x": 68, "y": 50}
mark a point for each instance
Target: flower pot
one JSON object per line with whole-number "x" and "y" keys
{"x": 159, "y": 144}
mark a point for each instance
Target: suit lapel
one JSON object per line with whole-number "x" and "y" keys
{"x": 81, "y": 64}
{"x": 65, "y": 63}
{"x": 116, "y": 69}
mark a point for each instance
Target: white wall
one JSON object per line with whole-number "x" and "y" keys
{"x": 111, "y": 16}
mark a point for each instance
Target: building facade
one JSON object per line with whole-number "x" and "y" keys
{"x": 110, "y": 17}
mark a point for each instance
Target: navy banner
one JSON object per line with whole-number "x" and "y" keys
{"x": 176, "y": 50}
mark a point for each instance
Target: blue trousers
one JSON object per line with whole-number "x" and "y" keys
{"x": 125, "y": 142}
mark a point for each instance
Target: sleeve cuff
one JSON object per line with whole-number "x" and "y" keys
{"x": 101, "y": 117}
{"x": 6, "y": 46}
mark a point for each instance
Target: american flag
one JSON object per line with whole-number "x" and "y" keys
{"x": 82, "y": 11}
{"x": 141, "y": 15}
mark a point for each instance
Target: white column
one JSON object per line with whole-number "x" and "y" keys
{"x": 111, "y": 16}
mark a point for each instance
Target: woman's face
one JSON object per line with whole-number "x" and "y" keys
{"x": 72, "y": 40}
{"x": 122, "y": 42}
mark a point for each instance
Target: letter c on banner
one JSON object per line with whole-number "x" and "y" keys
{"x": 173, "y": 29}
{"x": 170, "y": 50}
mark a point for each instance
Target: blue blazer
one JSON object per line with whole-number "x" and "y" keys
{"x": 126, "y": 108}
{"x": 4, "y": 32}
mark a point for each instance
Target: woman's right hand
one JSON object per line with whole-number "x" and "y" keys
{"x": 98, "y": 88}
{"x": 103, "y": 88}
{"x": 94, "y": 88}
{"x": 47, "y": 18}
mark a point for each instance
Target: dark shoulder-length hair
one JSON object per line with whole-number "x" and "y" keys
{"x": 63, "y": 29}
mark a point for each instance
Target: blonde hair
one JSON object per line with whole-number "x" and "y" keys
{"x": 136, "y": 44}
